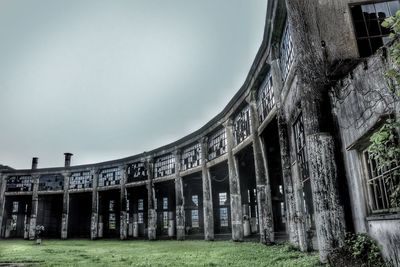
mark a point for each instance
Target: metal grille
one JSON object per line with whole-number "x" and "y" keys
{"x": 241, "y": 125}
{"x": 265, "y": 99}
{"x": 110, "y": 176}
{"x": 191, "y": 157}
{"x": 217, "y": 144}
{"x": 286, "y": 53}
{"x": 137, "y": 172}
{"x": 80, "y": 180}
{"x": 51, "y": 182}
{"x": 382, "y": 182}
{"x": 164, "y": 166}
{"x": 19, "y": 183}
{"x": 301, "y": 153}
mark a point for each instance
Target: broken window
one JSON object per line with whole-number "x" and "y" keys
{"x": 195, "y": 218}
{"x": 140, "y": 204}
{"x": 217, "y": 144}
{"x": 15, "y": 206}
{"x": 19, "y": 183}
{"x": 165, "y": 203}
{"x": 382, "y": 184}
{"x": 191, "y": 157}
{"x": 286, "y": 56}
{"x": 367, "y": 19}
{"x": 265, "y": 99}
{"x": 110, "y": 176}
{"x": 80, "y": 180}
{"x": 51, "y": 182}
{"x": 164, "y": 166}
{"x": 241, "y": 124}
{"x": 165, "y": 219}
{"x": 222, "y": 198}
{"x": 223, "y": 217}
{"x": 300, "y": 142}
{"x": 195, "y": 200}
{"x": 140, "y": 217}
{"x": 136, "y": 172}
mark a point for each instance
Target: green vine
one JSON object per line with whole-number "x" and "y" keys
{"x": 385, "y": 147}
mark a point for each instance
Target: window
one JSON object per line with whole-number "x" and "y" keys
{"x": 111, "y": 221}
{"x": 140, "y": 204}
{"x": 140, "y": 217}
{"x": 241, "y": 124}
{"x": 19, "y": 183}
{"x": 286, "y": 53}
{"x": 110, "y": 176}
{"x": 51, "y": 182}
{"x": 381, "y": 184}
{"x": 111, "y": 205}
{"x": 222, "y": 199}
{"x": 223, "y": 217}
{"x": 15, "y": 207}
{"x": 136, "y": 172}
{"x": 191, "y": 157}
{"x": 217, "y": 144}
{"x": 80, "y": 180}
{"x": 165, "y": 203}
{"x": 300, "y": 141}
{"x": 367, "y": 21}
{"x": 195, "y": 200}
{"x": 265, "y": 99}
{"x": 165, "y": 219}
{"x": 195, "y": 218}
{"x": 164, "y": 166}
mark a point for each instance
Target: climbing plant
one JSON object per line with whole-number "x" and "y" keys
{"x": 385, "y": 146}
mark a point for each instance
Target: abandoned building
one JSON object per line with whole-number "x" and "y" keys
{"x": 285, "y": 159}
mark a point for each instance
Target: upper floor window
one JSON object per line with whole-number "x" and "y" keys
{"x": 265, "y": 99}
{"x": 191, "y": 157}
{"x": 80, "y": 180}
{"x": 19, "y": 183}
{"x": 164, "y": 166}
{"x": 136, "y": 172}
{"x": 51, "y": 182}
{"x": 286, "y": 53}
{"x": 241, "y": 125}
{"x": 217, "y": 144}
{"x": 367, "y": 20}
{"x": 110, "y": 176}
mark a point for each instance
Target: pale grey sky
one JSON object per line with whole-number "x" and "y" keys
{"x": 109, "y": 79}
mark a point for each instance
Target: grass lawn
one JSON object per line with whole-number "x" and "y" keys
{"x": 147, "y": 253}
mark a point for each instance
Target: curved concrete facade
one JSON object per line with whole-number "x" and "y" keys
{"x": 259, "y": 169}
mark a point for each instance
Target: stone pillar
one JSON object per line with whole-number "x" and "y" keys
{"x": 152, "y": 213}
{"x": 95, "y": 206}
{"x": 264, "y": 200}
{"x": 123, "y": 200}
{"x": 3, "y": 183}
{"x": 34, "y": 209}
{"x": 207, "y": 194}
{"x": 179, "y": 198}
{"x": 65, "y": 211}
{"x": 234, "y": 186}
{"x": 329, "y": 214}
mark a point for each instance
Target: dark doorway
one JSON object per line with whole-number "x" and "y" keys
{"x": 50, "y": 214}
{"x": 79, "y": 215}
{"x": 165, "y": 207}
{"x": 193, "y": 195}
{"x": 17, "y": 214}
{"x": 137, "y": 212}
{"x": 109, "y": 210}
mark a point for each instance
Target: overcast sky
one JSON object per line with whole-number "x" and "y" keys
{"x": 110, "y": 79}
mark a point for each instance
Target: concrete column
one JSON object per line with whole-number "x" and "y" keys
{"x": 151, "y": 201}
{"x": 3, "y": 183}
{"x": 329, "y": 214}
{"x": 264, "y": 200}
{"x": 95, "y": 206}
{"x": 34, "y": 209}
{"x": 64, "y": 220}
{"x": 234, "y": 186}
{"x": 123, "y": 200}
{"x": 135, "y": 225}
{"x": 180, "y": 200}
{"x": 207, "y": 193}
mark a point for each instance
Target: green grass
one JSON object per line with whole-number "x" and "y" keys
{"x": 146, "y": 253}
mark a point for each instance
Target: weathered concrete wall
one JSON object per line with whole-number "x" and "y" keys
{"x": 360, "y": 102}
